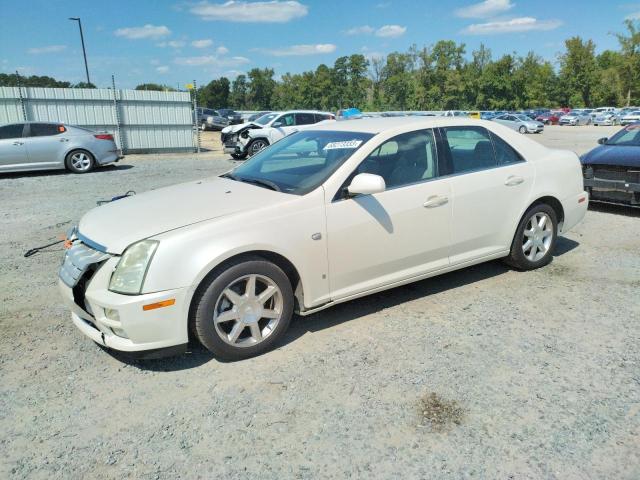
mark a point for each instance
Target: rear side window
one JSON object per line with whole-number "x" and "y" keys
{"x": 45, "y": 129}
{"x": 505, "y": 154}
{"x": 305, "y": 119}
{"x": 11, "y": 131}
{"x": 322, "y": 116}
{"x": 468, "y": 149}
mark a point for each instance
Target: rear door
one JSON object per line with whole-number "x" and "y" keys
{"x": 13, "y": 153}
{"x": 490, "y": 184}
{"x": 46, "y": 144}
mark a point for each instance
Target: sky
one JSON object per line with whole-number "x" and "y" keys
{"x": 176, "y": 42}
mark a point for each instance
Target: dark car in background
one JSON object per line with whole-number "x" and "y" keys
{"x": 234, "y": 117}
{"x": 209, "y": 119}
{"x": 612, "y": 170}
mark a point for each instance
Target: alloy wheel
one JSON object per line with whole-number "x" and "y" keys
{"x": 248, "y": 310}
{"x": 81, "y": 161}
{"x": 257, "y": 146}
{"x": 537, "y": 237}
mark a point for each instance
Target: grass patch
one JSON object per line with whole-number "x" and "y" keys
{"x": 439, "y": 413}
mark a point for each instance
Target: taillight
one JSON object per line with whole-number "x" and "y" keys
{"x": 104, "y": 136}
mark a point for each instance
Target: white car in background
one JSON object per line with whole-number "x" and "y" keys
{"x": 519, "y": 122}
{"x": 630, "y": 117}
{"x": 377, "y": 203}
{"x": 607, "y": 119}
{"x": 249, "y": 138}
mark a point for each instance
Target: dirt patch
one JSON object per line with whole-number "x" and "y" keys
{"x": 439, "y": 413}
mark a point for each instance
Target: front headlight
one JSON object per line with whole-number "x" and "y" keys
{"x": 128, "y": 277}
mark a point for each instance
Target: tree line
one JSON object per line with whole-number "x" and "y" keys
{"x": 437, "y": 77}
{"x": 441, "y": 77}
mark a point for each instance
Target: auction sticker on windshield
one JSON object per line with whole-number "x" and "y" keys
{"x": 345, "y": 144}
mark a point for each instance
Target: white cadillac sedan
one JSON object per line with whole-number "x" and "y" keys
{"x": 373, "y": 204}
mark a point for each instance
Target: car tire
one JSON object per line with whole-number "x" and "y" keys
{"x": 80, "y": 161}
{"x": 522, "y": 129}
{"x": 203, "y": 127}
{"x": 230, "y": 321}
{"x": 239, "y": 156}
{"x": 256, "y": 146}
{"x": 533, "y": 244}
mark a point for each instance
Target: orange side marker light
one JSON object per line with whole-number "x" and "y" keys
{"x": 164, "y": 303}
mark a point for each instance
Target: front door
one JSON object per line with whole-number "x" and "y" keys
{"x": 380, "y": 239}
{"x": 46, "y": 144}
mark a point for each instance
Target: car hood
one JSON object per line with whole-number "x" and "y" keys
{"x": 114, "y": 226}
{"x": 624, "y": 156}
{"x": 240, "y": 126}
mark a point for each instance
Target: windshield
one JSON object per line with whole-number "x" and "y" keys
{"x": 300, "y": 162}
{"x": 629, "y": 136}
{"x": 264, "y": 119}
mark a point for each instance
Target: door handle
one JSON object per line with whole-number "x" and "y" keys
{"x": 513, "y": 180}
{"x": 64, "y": 139}
{"x": 18, "y": 143}
{"x": 435, "y": 201}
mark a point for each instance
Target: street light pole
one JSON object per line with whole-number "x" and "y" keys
{"x": 84, "y": 52}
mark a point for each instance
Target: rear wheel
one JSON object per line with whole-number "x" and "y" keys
{"x": 203, "y": 126}
{"x": 80, "y": 161}
{"x": 244, "y": 310}
{"x": 535, "y": 238}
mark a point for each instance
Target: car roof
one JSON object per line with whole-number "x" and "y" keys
{"x": 377, "y": 125}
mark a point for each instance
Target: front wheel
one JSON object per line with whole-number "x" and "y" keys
{"x": 243, "y": 311}
{"x": 535, "y": 238}
{"x": 256, "y": 146}
{"x": 80, "y": 161}
{"x": 522, "y": 129}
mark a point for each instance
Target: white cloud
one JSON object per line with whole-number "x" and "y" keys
{"x": 47, "y": 49}
{"x": 522, "y": 24}
{"x": 299, "y": 50}
{"x": 204, "y": 43}
{"x": 486, "y": 9}
{"x": 391, "y": 31}
{"x": 633, "y": 16}
{"x": 172, "y": 44}
{"x": 147, "y": 31}
{"x": 222, "y": 50}
{"x": 162, "y": 69}
{"x": 274, "y": 11}
{"x": 362, "y": 30}
{"x": 211, "y": 60}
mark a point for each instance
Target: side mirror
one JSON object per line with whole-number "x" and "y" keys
{"x": 366, "y": 184}
{"x": 603, "y": 140}
{"x": 277, "y": 125}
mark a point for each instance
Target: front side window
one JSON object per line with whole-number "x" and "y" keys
{"x": 287, "y": 120}
{"x": 305, "y": 119}
{"x": 11, "y": 131}
{"x": 468, "y": 149}
{"x": 402, "y": 160}
{"x": 301, "y": 162}
{"x": 45, "y": 129}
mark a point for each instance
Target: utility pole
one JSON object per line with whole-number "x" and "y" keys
{"x": 84, "y": 52}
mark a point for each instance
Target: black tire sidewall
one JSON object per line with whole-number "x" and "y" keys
{"x": 209, "y": 292}
{"x": 516, "y": 257}
{"x": 70, "y": 166}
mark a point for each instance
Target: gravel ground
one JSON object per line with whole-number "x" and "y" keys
{"x": 481, "y": 373}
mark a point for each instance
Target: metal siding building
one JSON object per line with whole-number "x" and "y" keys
{"x": 141, "y": 121}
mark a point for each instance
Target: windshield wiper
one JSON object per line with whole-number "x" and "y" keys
{"x": 262, "y": 183}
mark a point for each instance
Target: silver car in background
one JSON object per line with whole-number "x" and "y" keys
{"x": 631, "y": 117}
{"x": 520, "y": 123}
{"x": 48, "y": 146}
{"x": 575, "y": 118}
